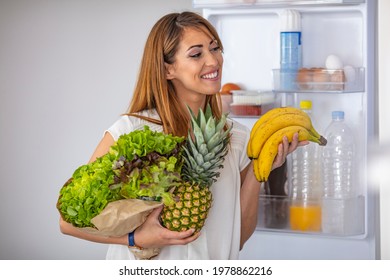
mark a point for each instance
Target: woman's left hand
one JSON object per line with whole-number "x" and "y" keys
{"x": 286, "y": 148}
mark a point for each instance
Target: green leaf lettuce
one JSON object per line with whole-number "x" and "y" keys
{"x": 142, "y": 164}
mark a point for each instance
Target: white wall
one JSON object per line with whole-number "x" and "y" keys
{"x": 67, "y": 70}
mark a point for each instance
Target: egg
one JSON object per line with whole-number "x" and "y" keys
{"x": 304, "y": 78}
{"x": 333, "y": 62}
{"x": 320, "y": 78}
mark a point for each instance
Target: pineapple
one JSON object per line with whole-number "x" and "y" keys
{"x": 203, "y": 155}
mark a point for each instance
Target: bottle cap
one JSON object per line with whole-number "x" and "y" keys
{"x": 290, "y": 20}
{"x": 305, "y": 104}
{"x": 338, "y": 115}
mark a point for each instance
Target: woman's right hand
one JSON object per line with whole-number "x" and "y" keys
{"x": 151, "y": 234}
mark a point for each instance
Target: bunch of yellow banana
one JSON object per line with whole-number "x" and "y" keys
{"x": 268, "y": 132}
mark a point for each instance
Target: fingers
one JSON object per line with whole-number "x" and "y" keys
{"x": 151, "y": 234}
{"x": 155, "y": 214}
{"x": 167, "y": 237}
{"x": 175, "y": 237}
{"x": 293, "y": 145}
{"x": 280, "y": 158}
{"x": 180, "y": 238}
{"x": 169, "y": 234}
{"x": 286, "y": 148}
{"x": 303, "y": 143}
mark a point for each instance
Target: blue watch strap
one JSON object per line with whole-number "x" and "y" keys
{"x": 131, "y": 239}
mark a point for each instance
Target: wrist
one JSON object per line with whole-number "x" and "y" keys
{"x": 131, "y": 240}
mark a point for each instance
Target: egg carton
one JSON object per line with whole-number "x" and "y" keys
{"x": 348, "y": 79}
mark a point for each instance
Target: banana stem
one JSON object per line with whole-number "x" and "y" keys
{"x": 323, "y": 141}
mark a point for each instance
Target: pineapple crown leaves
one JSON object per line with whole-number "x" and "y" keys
{"x": 205, "y": 154}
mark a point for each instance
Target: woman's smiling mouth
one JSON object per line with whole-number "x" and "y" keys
{"x": 210, "y": 76}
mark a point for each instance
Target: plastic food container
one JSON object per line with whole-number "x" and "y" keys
{"x": 250, "y": 103}
{"x": 245, "y": 110}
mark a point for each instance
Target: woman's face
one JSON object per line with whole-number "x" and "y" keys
{"x": 197, "y": 69}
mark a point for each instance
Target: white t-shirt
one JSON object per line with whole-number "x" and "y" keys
{"x": 220, "y": 236}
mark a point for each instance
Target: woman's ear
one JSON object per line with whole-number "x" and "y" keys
{"x": 169, "y": 70}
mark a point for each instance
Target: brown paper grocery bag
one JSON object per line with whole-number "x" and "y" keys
{"x": 121, "y": 217}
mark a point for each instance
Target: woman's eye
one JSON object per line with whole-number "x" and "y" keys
{"x": 215, "y": 49}
{"x": 196, "y": 55}
{"x": 199, "y": 53}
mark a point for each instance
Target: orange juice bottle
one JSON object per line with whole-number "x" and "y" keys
{"x": 305, "y": 217}
{"x": 306, "y": 184}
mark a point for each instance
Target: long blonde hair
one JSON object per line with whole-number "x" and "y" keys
{"x": 153, "y": 90}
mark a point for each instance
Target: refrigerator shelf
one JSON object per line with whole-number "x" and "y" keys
{"x": 280, "y": 214}
{"x": 248, "y": 103}
{"x": 319, "y": 80}
{"x": 267, "y": 3}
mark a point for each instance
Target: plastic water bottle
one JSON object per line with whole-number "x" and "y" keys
{"x": 290, "y": 48}
{"x": 305, "y": 208}
{"x": 338, "y": 213}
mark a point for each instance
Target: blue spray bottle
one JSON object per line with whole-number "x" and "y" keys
{"x": 290, "y": 48}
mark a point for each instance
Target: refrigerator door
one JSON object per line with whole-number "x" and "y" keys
{"x": 380, "y": 160}
{"x": 250, "y": 35}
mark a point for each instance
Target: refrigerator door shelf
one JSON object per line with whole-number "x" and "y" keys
{"x": 319, "y": 80}
{"x": 267, "y": 3}
{"x": 282, "y": 214}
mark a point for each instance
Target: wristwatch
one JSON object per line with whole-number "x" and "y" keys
{"x": 131, "y": 241}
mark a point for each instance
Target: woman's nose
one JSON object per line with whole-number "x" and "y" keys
{"x": 211, "y": 58}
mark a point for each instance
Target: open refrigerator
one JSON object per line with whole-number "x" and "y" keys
{"x": 250, "y": 33}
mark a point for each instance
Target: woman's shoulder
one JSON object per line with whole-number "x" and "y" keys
{"x": 127, "y": 123}
{"x": 238, "y": 127}
{"x": 239, "y": 133}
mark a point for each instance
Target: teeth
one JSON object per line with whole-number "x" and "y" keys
{"x": 211, "y": 75}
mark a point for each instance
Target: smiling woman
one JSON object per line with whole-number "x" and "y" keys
{"x": 181, "y": 68}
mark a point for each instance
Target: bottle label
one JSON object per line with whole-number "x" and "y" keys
{"x": 290, "y": 50}
{"x": 290, "y": 59}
